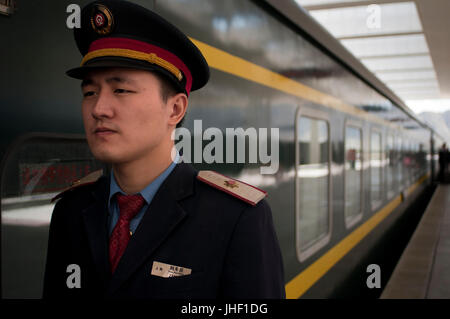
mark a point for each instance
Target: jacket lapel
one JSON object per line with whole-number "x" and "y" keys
{"x": 95, "y": 219}
{"x": 161, "y": 218}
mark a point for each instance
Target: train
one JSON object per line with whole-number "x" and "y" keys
{"x": 351, "y": 157}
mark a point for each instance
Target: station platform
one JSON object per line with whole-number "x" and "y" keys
{"x": 423, "y": 271}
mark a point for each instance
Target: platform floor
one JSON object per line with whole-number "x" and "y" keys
{"x": 423, "y": 271}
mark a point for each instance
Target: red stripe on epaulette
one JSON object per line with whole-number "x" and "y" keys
{"x": 226, "y": 191}
{"x": 261, "y": 190}
{"x": 247, "y": 193}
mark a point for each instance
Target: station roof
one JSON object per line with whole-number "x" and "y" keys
{"x": 404, "y": 43}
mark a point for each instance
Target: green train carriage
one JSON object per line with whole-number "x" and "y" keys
{"x": 351, "y": 161}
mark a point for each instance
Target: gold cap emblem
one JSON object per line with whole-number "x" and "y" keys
{"x": 102, "y": 20}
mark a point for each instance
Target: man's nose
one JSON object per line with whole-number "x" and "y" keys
{"x": 103, "y": 107}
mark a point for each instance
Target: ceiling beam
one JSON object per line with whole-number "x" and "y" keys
{"x": 379, "y": 35}
{"x": 350, "y": 4}
{"x": 419, "y": 94}
{"x": 423, "y": 90}
{"x": 387, "y": 56}
{"x": 389, "y": 82}
{"x": 401, "y": 70}
{"x": 414, "y": 85}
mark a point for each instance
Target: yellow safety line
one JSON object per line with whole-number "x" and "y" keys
{"x": 303, "y": 281}
{"x": 228, "y": 63}
{"x": 413, "y": 187}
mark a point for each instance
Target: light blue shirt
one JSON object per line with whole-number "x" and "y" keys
{"x": 147, "y": 193}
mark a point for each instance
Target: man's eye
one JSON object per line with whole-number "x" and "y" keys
{"x": 88, "y": 93}
{"x": 121, "y": 91}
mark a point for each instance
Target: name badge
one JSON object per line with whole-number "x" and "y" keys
{"x": 166, "y": 271}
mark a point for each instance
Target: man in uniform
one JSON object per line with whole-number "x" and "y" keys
{"x": 154, "y": 228}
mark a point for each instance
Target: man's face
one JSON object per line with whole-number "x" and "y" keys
{"x": 124, "y": 115}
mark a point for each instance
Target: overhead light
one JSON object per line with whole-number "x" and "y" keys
{"x": 399, "y": 85}
{"x": 407, "y": 76}
{"x": 430, "y": 105}
{"x": 398, "y": 63}
{"x": 387, "y": 46}
{"x": 305, "y": 3}
{"x": 353, "y": 21}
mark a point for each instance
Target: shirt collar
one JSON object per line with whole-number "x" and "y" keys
{"x": 150, "y": 190}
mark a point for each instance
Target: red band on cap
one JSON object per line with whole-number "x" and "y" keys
{"x": 143, "y": 47}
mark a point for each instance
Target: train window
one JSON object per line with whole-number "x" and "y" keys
{"x": 35, "y": 169}
{"x": 420, "y": 159}
{"x": 391, "y": 166}
{"x": 412, "y": 166}
{"x": 405, "y": 162}
{"x": 411, "y": 162}
{"x": 353, "y": 175}
{"x": 376, "y": 162}
{"x": 313, "y": 181}
{"x": 414, "y": 160}
{"x": 399, "y": 169}
{"x": 414, "y": 156}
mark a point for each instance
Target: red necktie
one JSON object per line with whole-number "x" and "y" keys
{"x": 129, "y": 206}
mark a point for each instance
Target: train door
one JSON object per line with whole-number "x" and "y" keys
{"x": 353, "y": 172}
{"x": 376, "y": 168}
{"x": 312, "y": 182}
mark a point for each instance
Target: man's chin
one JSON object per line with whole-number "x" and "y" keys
{"x": 106, "y": 157}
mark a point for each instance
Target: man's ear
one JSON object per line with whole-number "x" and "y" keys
{"x": 178, "y": 105}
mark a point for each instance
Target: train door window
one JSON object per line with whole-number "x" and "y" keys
{"x": 399, "y": 168}
{"x": 34, "y": 170}
{"x": 353, "y": 175}
{"x": 423, "y": 159}
{"x": 418, "y": 159}
{"x": 411, "y": 162}
{"x": 313, "y": 208}
{"x": 412, "y": 153}
{"x": 414, "y": 156}
{"x": 376, "y": 175}
{"x": 391, "y": 166}
{"x": 405, "y": 161}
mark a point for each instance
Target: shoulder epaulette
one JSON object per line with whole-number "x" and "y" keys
{"x": 241, "y": 190}
{"x": 86, "y": 180}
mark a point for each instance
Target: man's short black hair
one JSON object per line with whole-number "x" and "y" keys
{"x": 168, "y": 89}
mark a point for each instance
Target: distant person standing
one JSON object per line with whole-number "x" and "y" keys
{"x": 443, "y": 162}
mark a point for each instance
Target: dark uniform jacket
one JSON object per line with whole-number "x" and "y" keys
{"x": 230, "y": 246}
